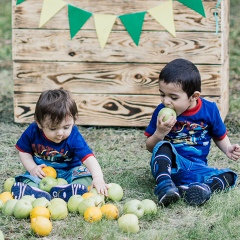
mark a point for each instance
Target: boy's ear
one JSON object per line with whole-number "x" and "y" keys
{"x": 39, "y": 125}
{"x": 196, "y": 95}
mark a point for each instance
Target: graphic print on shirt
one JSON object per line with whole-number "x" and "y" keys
{"x": 185, "y": 135}
{"x": 50, "y": 154}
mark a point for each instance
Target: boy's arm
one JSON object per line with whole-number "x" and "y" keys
{"x": 232, "y": 151}
{"x": 153, "y": 140}
{"x": 163, "y": 128}
{"x": 31, "y": 166}
{"x": 98, "y": 182}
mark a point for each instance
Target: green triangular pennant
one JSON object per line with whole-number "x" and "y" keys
{"x": 77, "y": 18}
{"x": 195, "y": 5}
{"x": 19, "y": 1}
{"x": 133, "y": 22}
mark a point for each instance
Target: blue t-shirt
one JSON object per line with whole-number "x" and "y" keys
{"x": 67, "y": 154}
{"x": 193, "y": 131}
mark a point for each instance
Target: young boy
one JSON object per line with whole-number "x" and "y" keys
{"x": 54, "y": 140}
{"x": 180, "y": 146}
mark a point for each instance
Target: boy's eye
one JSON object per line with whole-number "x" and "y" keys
{"x": 52, "y": 129}
{"x": 66, "y": 127}
{"x": 174, "y": 98}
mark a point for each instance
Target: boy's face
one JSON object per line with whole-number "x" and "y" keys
{"x": 60, "y": 132}
{"x": 172, "y": 96}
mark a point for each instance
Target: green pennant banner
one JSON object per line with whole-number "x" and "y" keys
{"x": 133, "y": 22}
{"x": 195, "y": 5}
{"x": 77, "y": 18}
{"x": 19, "y": 1}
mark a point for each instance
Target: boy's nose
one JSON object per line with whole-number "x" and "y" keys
{"x": 60, "y": 132}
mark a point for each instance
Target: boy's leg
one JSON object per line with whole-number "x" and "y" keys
{"x": 198, "y": 193}
{"x": 75, "y": 187}
{"x": 87, "y": 181}
{"x": 161, "y": 165}
{"x": 220, "y": 182}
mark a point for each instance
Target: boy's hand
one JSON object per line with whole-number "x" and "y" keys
{"x": 233, "y": 152}
{"x": 100, "y": 185}
{"x": 37, "y": 171}
{"x": 165, "y": 127}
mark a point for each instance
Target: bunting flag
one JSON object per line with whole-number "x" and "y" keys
{"x": 103, "y": 25}
{"x": 19, "y": 1}
{"x": 133, "y": 22}
{"x": 49, "y": 9}
{"x": 195, "y": 5}
{"x": 163, "y": 14}
{"x": 77, "y": 18}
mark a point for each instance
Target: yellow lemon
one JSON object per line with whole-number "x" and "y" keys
{"x": 40, "y": 211}
{"x": 41, "y": 226}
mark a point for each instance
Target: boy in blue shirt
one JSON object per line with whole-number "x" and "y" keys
{"x": 180, "y": 146}
{"x": 54, "y": 140}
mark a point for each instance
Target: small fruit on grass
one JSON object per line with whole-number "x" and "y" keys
{"x": 41, "y": 226}
{"x": 73, "y": 203}
{"x": 47, "y": 183}
{"x": 22, "y": 209}
{"x": 110, "y": 211}
{"x": 29, "y": 198}
{"x": 8, "y": 207}
{"x": 50, "y": 171}
{"x": 58, "y": 211}
{"x": 7, "y": 186}
{"x": 93, "y": 214}
{"x": 84, "y": 204}
{"x": 128, "y": 223}
{"x": 40, "y": 211}
{"x": 41, "y": 202}
{"x": 135, "y": 207}
{"x": 115, "y": 192}
{"x": 5, "y": 196}
{"x": 167, "y": 112}
{"x": 58, "y": 200}
{"x": 150, "y": 207}
{"x": 87, "y": 195}
{"x": 61, "y": 181}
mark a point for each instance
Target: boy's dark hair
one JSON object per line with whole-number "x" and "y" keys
{"x": 55, "y": 105}
{"x": 184, "y": 73}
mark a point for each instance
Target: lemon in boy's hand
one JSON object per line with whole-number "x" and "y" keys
{"x": 50, "y": 171}
{"x": 167, "y": 112}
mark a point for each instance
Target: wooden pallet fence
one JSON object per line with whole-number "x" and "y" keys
{"x": 117, "y": 85}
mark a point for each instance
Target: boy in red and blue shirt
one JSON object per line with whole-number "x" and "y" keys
{"x": 54, "y": 140}
{"x": 180, "y": 146}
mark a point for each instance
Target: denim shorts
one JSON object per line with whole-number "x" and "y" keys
{"x": 188, "y": 171}
{"x": 68, "y": 175}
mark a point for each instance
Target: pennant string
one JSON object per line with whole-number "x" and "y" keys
{"x": 216, "y": 16}
{"x": 133, "y": 22}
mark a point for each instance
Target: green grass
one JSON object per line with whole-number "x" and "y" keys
{"x": 122, "y": 155}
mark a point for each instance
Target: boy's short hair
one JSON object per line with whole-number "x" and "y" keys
{"x": 184, "y": 73}
{"x": 55, "y": 106}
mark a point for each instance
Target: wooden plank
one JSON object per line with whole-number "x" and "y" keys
{"x": 102, "y": 78}
{"x": 99, "y": 110}
{"x": 27, "y": 14}
{"x": 155, "y": 47}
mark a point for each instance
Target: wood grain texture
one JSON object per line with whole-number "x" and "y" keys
{"x": 108, "y": 78}
{"x": 100, "y": 109}
{"x": 154, "y": 47}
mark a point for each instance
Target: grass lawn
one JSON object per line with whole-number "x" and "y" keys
{"x": 124, "y": 160}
